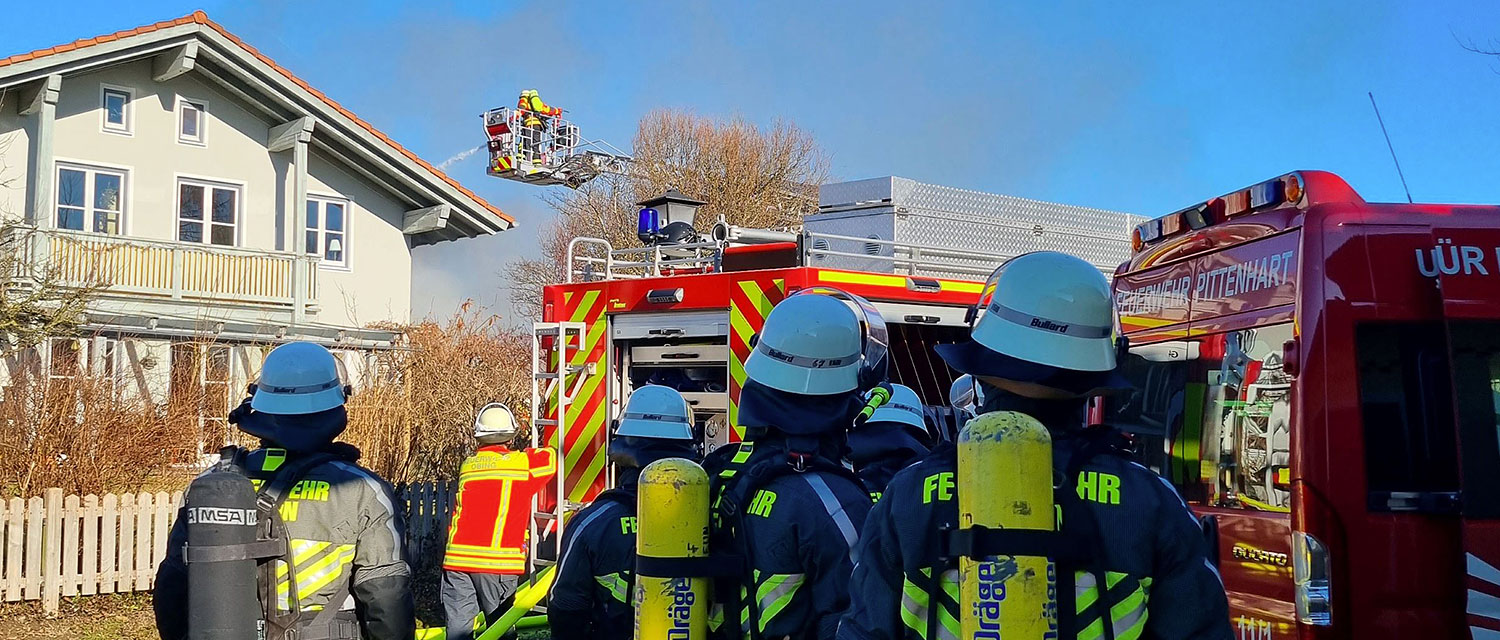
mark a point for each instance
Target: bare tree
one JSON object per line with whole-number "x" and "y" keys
{"x": 765, "y": 178}
{"x": 1490, "y": 48}
{"x": 37, "y": 300}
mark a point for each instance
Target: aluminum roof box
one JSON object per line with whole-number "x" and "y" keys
{"x": 898, "y": 225}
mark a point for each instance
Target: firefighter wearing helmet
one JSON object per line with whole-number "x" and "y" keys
{"x": 1043, "y": 346}
{"x": 487, "y": 537}
{"x": 339, "y": 570}
{"x": 782, "y": 499}
{"x": 591, "y": 596}
{"x": 894, "y": 436}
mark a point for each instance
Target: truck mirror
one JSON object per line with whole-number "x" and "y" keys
{"x": 1291, "y": 360}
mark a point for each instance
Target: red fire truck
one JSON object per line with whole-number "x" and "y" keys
{"x": 1320, "y": 378}
{"x": 682, "y": 313}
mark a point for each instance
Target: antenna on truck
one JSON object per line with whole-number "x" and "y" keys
{"x": 1388, "y": 146}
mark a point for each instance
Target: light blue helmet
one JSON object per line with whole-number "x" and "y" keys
{"x": 658, "y": 423}
{"x": 658, "y": 412}
{"x": 299, "y": 378}
{"x": 904, "y": 407}
{"x": 820, "y": 341}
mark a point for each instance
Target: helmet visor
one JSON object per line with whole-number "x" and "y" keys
{"x": 872, "y": 327}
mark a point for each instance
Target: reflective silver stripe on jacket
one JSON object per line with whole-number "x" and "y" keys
{"x": 835, "y": 511}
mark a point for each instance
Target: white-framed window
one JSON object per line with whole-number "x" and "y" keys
{"x": 200, "y": 378}
{"x": 328, "y": 230}
{"x": 192, "y": 121}
{"x": 115, "y": 111}
{"x": 64, "y": 358}
{"x": 90, "y": 198}
{"x": 208, "y": 212}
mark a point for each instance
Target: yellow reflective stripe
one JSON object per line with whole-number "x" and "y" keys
{"x": 1085, "y": 593}
{"x": 949, "y": 582}
{"x": 775, "y": 594}
{"x": 1128, "y": 616}
{"x": 915, "y": 605}
{"x": 961, "y": 287}
{"x": 742, "y": 455}
{"x": 493, "y": 475}
{"x": 845, "y": 277}
{"x": 301, "y": 551}
{"x": 315, "y": 578}
{"x": 914, "y": 608}
{"x": 615, "y": 585}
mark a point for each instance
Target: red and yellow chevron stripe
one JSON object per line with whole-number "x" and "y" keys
{"x": 584, "y": 448}
{"x": 750, "y": 301}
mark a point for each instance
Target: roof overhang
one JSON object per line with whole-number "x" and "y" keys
{"x": 197, "y": 45}
{"x": 183, "y": 328}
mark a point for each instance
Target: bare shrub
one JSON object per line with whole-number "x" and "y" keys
{"x": 413, "y": 419}
{"x": 79, "y": 434}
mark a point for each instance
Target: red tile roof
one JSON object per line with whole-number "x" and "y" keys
{"x": 199, "y": 17}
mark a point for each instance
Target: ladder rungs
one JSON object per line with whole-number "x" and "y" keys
{"x": 545, "y": 376}
{"x": 545, "y": 515}
{"x": 546, "y": 331}
{"x": 544, "y": 422}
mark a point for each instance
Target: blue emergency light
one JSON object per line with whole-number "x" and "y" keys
{"x": 648, "y": 226}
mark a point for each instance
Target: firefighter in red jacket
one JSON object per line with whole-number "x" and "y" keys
{"x": 487, "y": 538}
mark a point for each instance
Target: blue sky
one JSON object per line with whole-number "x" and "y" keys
{"x": 1142, "y": 107}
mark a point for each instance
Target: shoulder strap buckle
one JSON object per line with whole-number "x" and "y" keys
{"x": 799, "y": 461}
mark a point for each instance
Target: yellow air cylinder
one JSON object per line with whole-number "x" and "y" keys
{"x": 1005, "y": 482}
{"x": 672, "y": 522}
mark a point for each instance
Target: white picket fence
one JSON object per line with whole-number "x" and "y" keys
{"x": 54, "y": 546}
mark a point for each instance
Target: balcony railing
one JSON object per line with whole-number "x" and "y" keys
{"x": 166, "y": 270}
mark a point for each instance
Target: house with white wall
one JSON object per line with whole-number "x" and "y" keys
{"x": 217, "y": 204}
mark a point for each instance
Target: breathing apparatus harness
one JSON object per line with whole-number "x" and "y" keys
{"x": 273, "y": 543}
{"x": 1077, "y": 546}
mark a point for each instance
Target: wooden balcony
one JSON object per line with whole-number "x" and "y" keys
{"x": 168, "y": 271}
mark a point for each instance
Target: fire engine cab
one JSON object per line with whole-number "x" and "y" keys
{"x": 681, "y": 308}
{"x": 1319, "y": 377}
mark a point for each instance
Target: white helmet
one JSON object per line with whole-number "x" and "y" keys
{"x": 495, "y": 423}
{"x": 299, "y": 378}
{"x": 820, "y": 341}
{"x": 904, "y": 407}
{"x": 1044, "y": 308}
{"x": 655, "y": 411}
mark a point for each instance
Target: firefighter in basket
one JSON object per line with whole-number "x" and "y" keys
{"x": 488, "y": 535}
{"x": 592, "y": 596}
{"x": 783, "y": 500}
{"x": 319, "y": 553}
{"x": 894, "y": 436}
{"x": 1131, "y": 558}
{"x": 536, "y": 117}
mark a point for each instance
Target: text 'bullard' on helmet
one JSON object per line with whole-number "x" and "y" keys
{"x": 299, "y": 378}
{"x": 655, "y": 411}
{"x": 495, "y": 423}
{"x": 657, "y": 423}
{"x": 1042, "y": 317}
{"x": 820, "y": 341}
{"x": 904, "y": 407}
